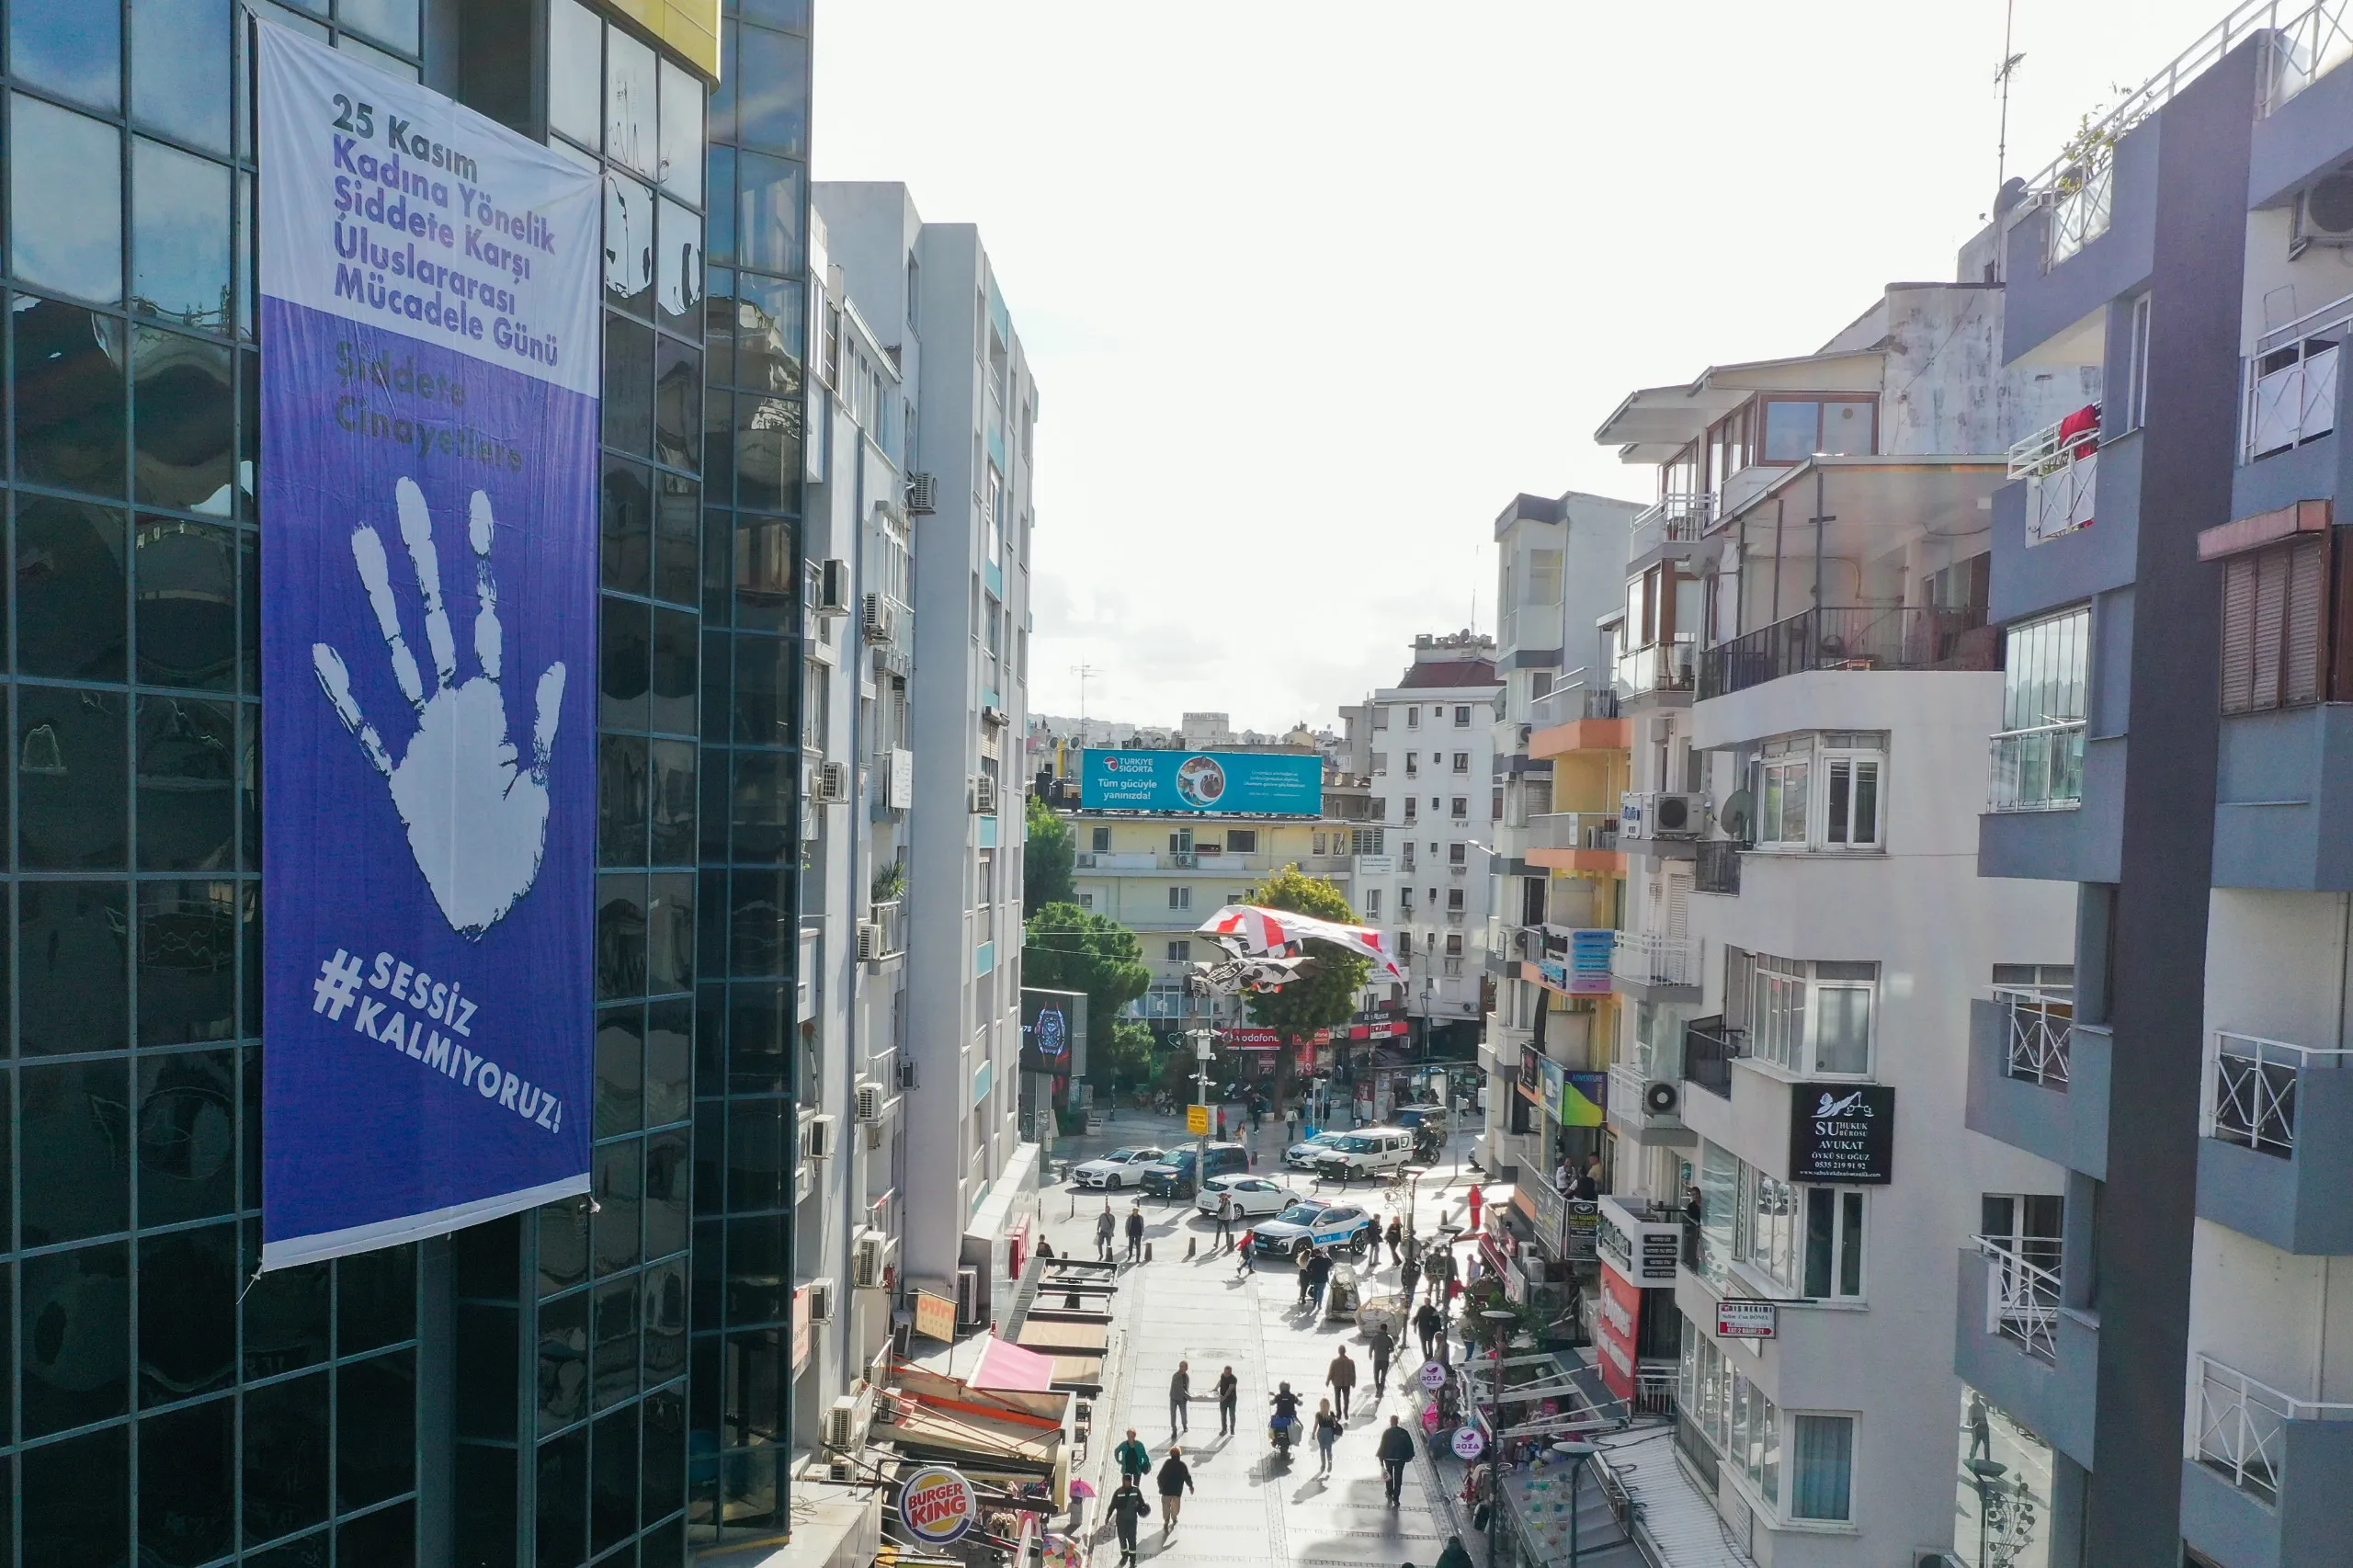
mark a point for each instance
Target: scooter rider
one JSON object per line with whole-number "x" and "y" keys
{"x": 1285, "y": 1418}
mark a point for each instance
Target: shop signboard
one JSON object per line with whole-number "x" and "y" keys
{"x": 1230, "y": 783}
{"x": 1555, "y": 1084}
{"x": 1250, "y": 1038}
{"x": 1052, "y": 1023}
{"x": 1553, "y": 973}
{"x": 431, "y": 383}
{"x": 1616, "y": 1329}
{"x": 935, "y": 1316}
{"x": 1584, "y": 1099}
{"x": 1645, "y": 1250}
{"x": 1590, "y": 952}
{"x": 1842, "y": 1134}
{"x": 1738, "y": 1318}
{"x": 1469, "y": 1442}
{"x": 937, "y": 1504}
{"x": 803, "y": 1337}
{"x": 1583, "y": 1228}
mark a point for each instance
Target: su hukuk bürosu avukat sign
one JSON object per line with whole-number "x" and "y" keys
{"x": 430, "y": 425}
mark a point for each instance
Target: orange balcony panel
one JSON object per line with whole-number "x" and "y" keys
{"x": 1582, "y": 734}
{"x": 1610, "y": 861}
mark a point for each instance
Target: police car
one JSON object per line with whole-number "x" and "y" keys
{"x": 1311, "y": 1225}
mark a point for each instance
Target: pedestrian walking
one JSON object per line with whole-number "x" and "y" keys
{"x": 1478, "y": 1201}
{"x": 1327, "y": 1432}
{"x": 1127, "y": 1506}
{"x": 1384, "y": 1347}
{"x": 1409, "y": 1277}
{"x": 1397, "y": 1239}
{"x": 1426, "y": 1324}
{"x": 1229, "y": 1395}
{"x": 1319, "y": 1274}
{"x": 1180, "y": 1398}
{"x": 1455, "y": 1555}
{"x": 1290, "y": 1128}
{"x": 1135, "y": 1231}
{"x": 1107, "y": 1225}
{"x": 1306, "y": 1274}
{"x": 1175, "y": 1480}
{"x": 1224, "y": 1218}
{"x": 1249, "y": 1244}
{"x": 1342, "y": 1376}
{"x": 1396, "y": 1453}
{"x": 1132, "y": 1458}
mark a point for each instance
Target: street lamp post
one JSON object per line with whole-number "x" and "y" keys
{"x": 1577, "y": 1454}
{"x": 1499, "y": 1327}
{"x": 1203, "y": 1043}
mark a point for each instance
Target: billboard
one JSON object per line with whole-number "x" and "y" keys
{"x": 1842, "y": 1133}
{"x": 1229, "y": 783}
{"x": 429, "y": 409}
{"x": 1053, "y": 1032}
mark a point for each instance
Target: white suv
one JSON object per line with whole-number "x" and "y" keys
{"x": 1367, "y": 1150}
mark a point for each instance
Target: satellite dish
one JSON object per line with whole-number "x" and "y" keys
{"x": 1737, "y": 816}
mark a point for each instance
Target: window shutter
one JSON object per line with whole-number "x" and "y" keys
{"x": 2307, "y": 602}
{"x": 2270, "y": 624}
{"x": 2238, "y": 633}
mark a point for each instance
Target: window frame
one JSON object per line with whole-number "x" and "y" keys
{"x": 1785, "y": 1013}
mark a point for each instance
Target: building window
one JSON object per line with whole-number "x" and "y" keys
{"x": 1086, "y": 900}
{"x": 2135, "y": 412}
{"x": 1101, "y": 840}
{"x": 1457, "y": 853}
{"x": 1463, "y": 715}
{"x": 1412, "y": 718}
{"x": 1463, "y": 762}
{"x": 1380, "y": 764}
{"x": 1180, "y": 898}
{"x": 1412, "y": 765}
{"x": 1454, "y": 945}
{"x": 2278, "y": 649}
{"x": 1495, "y": 803}
{"x": 1404, "y": 944}
{"x": 1463, "y": 808}
{"x": 1180, "y": 952}
{"x": 1367, "y": 840}
{"x": 1454, "y": 901}
{"x": 1404, "y": 901}
{"x": 1380, "y": 717}
{"x": 1413, "y": 802}
{"x": 1372, "y": 904}
{"x": 1821, "y": 792}
{"x": 1811, "y": 1019}
{"x": 1795, "y": 429}
{"x": 1822, "y": 1466}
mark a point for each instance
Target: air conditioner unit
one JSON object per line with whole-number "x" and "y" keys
{"x": 994, "y": 718}
{"x": 829, "y": 785}
{"x": 819, "y": 1141}
{"x": 833, "y": 587}
{"x": 983, "y": 795}
{"x": 2324, "y": 212}
{"x": 820, "y": 1300}
{"x": 844, "y": 1424}
{"x": 922, "y": 494}
{"x": 907, "y": 1075}
{"x": 881, "y": 619}
{"x": 870, "y": 1098}
{"x": 1662, "y": 1096}
{"x": 868, "y": 1256}
{"x": 968, "y": 1297}
{"x": 870, "y": 941}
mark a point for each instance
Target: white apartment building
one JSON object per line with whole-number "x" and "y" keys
{"x": 849, "y": 1218}
{"x": 1432, "y": 763}
{"x": 1560, "y": 568}
{"x": 971, "y": 408}
{"x": 1808, "y": 678}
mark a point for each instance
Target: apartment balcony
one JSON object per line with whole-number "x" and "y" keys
{"x": 2016, "y": 1341}
{"x": 1650, "y": 967}
{"x": 1893, "y": 637}
{"x": 1670, "y": 530}
{"x": 1645, "y": 1102}
{"x": 2276, "y": 1158}
{"x": 2038, "y": 769}
{"x": 1710, "y": 1048}
{"x": 2283, "y": 788}
{"x": 1715, "y": 865}
{"x": 1573, "y": 718}
{"x": 2267, "y": 1480}
{"x": 2037, "y": 1080}
{"x": 1660, "y": 674}
{"x": 2290, "y": 383}
{"x": 2060, "y": 464}
{"x": 1574, "y": 841}
{"x": 1661, "y": 824}
{"x": 889, "y": 937}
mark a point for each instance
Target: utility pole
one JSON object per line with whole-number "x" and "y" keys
{"x": 1085, "y": 674}
{"x": 1203, "y": 1043}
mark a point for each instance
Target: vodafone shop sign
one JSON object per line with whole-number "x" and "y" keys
{"x": 937, "y": 1504}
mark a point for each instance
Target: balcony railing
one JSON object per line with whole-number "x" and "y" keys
{"x": 2040, "y": 768}
{"x": 1649, "y": 958}
{"x": 2022, "y": 1292}
{"x": 1676, "y": 520}
{"x": 2041, "y": 1026}
{"x": 1451, "y": 969}
{"x": 2060, "y": 464}
{"x": 2242, "y": 1427}
{"x": 2292, "y": 382}
{"x": 890, "y": 914}
{"x": 1572, "y": 700}
{"x": 1572, "y": 830}
{"x": 1894, "y": 637}
{"x": 1658, "y": 666}
{"x": 1715, "y": 865}
{"x": 2250, "y": 1097}
{"x": 1708, "y": 1050}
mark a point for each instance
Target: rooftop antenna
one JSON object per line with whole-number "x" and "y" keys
{"x": 2002, "y": 79}
{"x": 1085, "y": 674}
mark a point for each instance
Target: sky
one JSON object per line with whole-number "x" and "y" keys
{"x": 1314, "y": 288}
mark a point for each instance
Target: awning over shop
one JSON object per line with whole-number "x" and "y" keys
{"x": 1011, "y": 1368}
{"x": 1011, "y": 1436}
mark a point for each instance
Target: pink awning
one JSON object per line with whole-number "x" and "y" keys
{"x": 1006, "y": 1366}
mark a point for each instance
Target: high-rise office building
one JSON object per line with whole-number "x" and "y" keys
{"x": 518, "y": 1393}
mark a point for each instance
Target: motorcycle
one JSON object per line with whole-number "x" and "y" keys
{"x": 1279, "y": 1432}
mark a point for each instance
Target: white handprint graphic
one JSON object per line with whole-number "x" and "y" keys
{"x": 477, "y": 819}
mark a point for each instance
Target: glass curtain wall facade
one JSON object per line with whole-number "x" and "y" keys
{"x": 752, "y": 1071}
{"x": 517, "y": 1396}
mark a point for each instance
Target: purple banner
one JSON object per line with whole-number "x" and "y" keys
{"x": 429, "y": 632}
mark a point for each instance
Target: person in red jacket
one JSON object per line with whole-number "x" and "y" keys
{"x": 1478, "y": 1199}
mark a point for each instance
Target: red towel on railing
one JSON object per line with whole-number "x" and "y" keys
{"x": 2079, "y": 432}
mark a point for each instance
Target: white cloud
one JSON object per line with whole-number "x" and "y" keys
{"x": 1314, "y": 288}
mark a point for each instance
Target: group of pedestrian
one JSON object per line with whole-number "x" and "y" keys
{"x": 1107, "y": 1228}
{"x": 1128, "y": 1505}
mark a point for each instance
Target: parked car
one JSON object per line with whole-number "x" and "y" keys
{"x": 1120, "y": 1167}
{"x": 1305, "y": 1225}
{"x": 1253, "y": 1196}
{"x": 1171, "y": 1175}
{"x": 1307, "y": 1154}
{"x": 1369, "y": 1151}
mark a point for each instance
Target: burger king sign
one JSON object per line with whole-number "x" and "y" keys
{"x": 937, "y": 1504}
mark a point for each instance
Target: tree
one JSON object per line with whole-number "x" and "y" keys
{"x": 1324, "y": 995}
{"x": 1045, "y": 859}
{"x": 1070, "y": 948}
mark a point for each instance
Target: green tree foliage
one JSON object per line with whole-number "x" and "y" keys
{"x": 1045, "y": 860}
{"x": 1070, "y": 948}
{"x": 1325, "y": 995}
{"x": 1124, "y": 1056}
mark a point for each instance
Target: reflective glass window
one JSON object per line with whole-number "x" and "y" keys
{"x": 768, "y": 213}
{"x": 563, "y": 1244}
{"x": 187, "y": 1313}
{"x": 772, "y": 92}
{"x": 73, "y": 949}
{"x": 620, "y": 801}
{"x": 187, "y": 961}
{"x": 757, "y": 1135}
{"x": 180, "y": 235}
{"x": 679, "y": 280}
{"x": 719, "y": 241}
{"x": 672, "y": 678}
{"x": 76, "y": 1323}
{"x": 628, "y": 651}
{"x": 620, "y": 935}
{"x": 186, "y": 784}
{"x": 385, "y": 1538}
{"x": 188, "y": 1137}
{"x": 666, "y": 1172}
{"x": 612, "y": 1491}
{"x": 628, "y": 386}
{"x": 375, "y": 1429}
{"x": 792, "y": 14}
{"x": 630, "y": 114}
{"x": 179, "y": 70}
{"x": 672, "y": 794}
{"x": 73, "y": 48}
{"x": 629, "y": 244}
{"x": 183, "y": 397}
{"x": 621, "y": 1069}
{"x": 71, "y": 770}
{"x": 392, "y": 22}
{"x": 664, "y": 1475}
{"x": 613, "y": 1222}
{"x": 681, "y": 171}
{"x": 184, "y": 602}
{"x": 677, "y": 530}
{"x": 73, "y": 410}
{"x": 576, "y": 69}
{"x": 563, "y": 1486}
{"x": 375, "y": 1298}
{"x": 78, "y": 1501}
{"x": 614, "y": 1371}
{"x": 626, "y": 513}
{"x": 65, "y": 197}
{"x": 286, "y": 1314}
{"x": 188, "y": 1484}
{"x": 70, "y": 601}
{"x": 286, "y": 1451}
{"x": 678, "y": 405}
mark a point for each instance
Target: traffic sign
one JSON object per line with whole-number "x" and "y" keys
{"x": 1197, "y": 1118}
